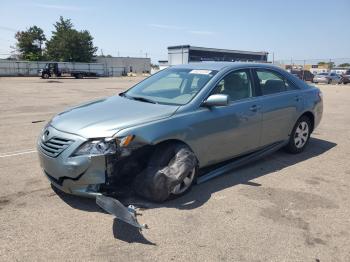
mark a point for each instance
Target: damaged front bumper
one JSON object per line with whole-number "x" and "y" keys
{"x": 117, "y": 209}
{"x": 78, "y": 175}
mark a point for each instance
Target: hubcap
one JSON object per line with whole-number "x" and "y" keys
{"x": 185, "y": 184}
{"x": 301, "y": 134}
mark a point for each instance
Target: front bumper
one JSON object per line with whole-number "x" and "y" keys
{"x": 80, "y": 175}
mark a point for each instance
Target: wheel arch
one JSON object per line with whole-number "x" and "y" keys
{"x": 311, "y": 116}
{"x": 179, "y": 141}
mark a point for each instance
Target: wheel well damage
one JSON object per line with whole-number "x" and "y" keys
{"x": 150, "y": 171}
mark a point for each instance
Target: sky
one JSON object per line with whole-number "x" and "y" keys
{"x": 295, "y": 29}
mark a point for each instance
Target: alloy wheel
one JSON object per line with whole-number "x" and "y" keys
{"x": 301, "y": 134}
{"x": 185, "y": 184}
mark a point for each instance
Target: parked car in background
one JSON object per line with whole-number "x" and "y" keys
{"x": 345, "y": 78}
{"x": 327, "y": 78}
{"x": 305, "y": 75}
{"x": 165, "y": 133}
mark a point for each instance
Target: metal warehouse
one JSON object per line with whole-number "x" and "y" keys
{"x": 184, "y": 54}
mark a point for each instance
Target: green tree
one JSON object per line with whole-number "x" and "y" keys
{"x": 68, "y": 44}
{"x": 344, "y": 65}
{"x": 330, "y": 65}
{"x": 30, "y": 43}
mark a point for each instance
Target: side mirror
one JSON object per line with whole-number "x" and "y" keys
{"x": 216, "y": 100}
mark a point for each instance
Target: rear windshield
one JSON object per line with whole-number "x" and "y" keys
{"x": 175, "y": 86}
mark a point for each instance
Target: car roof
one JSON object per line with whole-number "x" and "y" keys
{"x": 223, "y": 65}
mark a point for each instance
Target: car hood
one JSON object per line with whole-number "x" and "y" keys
{"x": 105, "y": 117}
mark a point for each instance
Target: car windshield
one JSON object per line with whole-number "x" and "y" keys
{"x": 323, "y": 74}
{"x": 174, "y": 86}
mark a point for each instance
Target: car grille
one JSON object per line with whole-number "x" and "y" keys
{"x": 55, "y": 146}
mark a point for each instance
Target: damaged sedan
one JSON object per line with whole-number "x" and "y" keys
{"x": 181, "y": 126}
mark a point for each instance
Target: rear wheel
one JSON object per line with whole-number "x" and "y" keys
{"x": 330, "y": 81}
{"x": 300, "y": 135}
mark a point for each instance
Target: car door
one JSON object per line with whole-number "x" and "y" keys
{"x": 280, "y": 102}
{"x": 228, "y": 131}
{"x": 335, "y": 78}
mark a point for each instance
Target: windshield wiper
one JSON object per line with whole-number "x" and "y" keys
{"x": 143, "y": 99}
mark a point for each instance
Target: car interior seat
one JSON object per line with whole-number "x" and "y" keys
{"x": 272, "y": 86}
{"x": 236, "y": 87}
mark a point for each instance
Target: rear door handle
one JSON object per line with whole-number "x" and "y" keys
{"x": 297, "y": 98}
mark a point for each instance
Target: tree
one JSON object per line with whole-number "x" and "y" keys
{"x": 344, "y": 65}
{"x": 68, "y": 44}
{"x": 330, "y": 65}
{"x": 30, "y": 43}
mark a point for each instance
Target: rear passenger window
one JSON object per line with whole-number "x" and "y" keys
{"x": 271, "y": 82}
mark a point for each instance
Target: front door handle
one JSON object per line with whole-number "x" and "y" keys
{"x": 297, "y": 98}
{"x": 254, "y": 108}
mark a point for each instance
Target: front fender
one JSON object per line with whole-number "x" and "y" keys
{"x": 176, "y": 127}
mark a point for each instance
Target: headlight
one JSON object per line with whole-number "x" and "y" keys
{"x": 106, "y": 146}
{"x": 97, "y": 147}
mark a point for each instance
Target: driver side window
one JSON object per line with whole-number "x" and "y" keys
{"x": 236, "y": 85}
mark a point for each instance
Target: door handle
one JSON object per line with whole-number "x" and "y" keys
{"x": 254, "y": 108}
{"x": 297, "y": 98}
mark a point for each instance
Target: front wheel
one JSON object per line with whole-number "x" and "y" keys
{"x": 45, "y": 76}
{"x": 183, "y": 186}
{"x": 170, "y": 173}
{"x": 300, "y": 135}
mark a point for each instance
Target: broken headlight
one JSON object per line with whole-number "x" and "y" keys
{"x": 97, "y": 147}
{"x": 106, "y": 146}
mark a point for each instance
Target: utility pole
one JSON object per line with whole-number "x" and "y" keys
{"x": 273, "y": 58}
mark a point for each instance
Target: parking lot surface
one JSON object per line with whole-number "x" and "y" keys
{"x": 281, "y": 208}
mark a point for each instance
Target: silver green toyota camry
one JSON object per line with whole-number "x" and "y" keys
{"x": 181, "y": 126}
